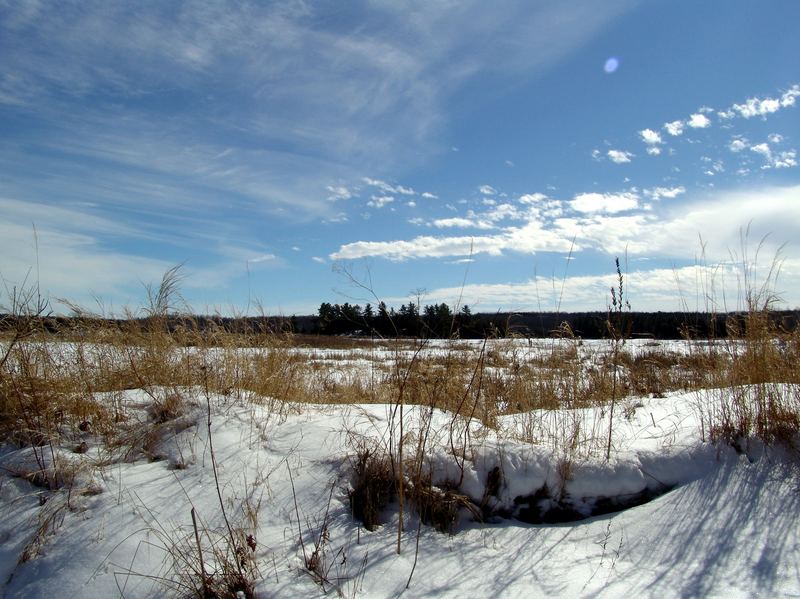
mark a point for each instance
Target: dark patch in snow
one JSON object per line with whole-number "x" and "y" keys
{"x": 543, "y": 507}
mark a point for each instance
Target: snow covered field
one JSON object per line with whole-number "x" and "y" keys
{"x": 711, "y": 520}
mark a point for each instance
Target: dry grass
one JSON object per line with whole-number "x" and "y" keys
{"x": 61, "y": 388}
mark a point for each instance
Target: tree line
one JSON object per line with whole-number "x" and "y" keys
{"x": 435, "y": 320}
{"x": 440, "y": 321}
{"x": 431, "y": 321}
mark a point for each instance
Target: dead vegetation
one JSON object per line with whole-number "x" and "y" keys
{"x": 61, "y": 392}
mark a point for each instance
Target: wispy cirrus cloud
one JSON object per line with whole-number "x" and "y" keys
{"x": 359, "y": 91}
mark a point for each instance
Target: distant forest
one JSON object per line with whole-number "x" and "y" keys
{"x": 439, "y": 321}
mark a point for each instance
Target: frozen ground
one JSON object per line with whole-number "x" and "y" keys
{"x": 730, "y": 526}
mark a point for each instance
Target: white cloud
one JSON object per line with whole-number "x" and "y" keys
{"x": 429, "y": 196}
{"x": 717, "y": 217}
{"x": 510, "y": 163}
{"x": 263, "y": 258}
{"x": 789, "y": 97}
{"x": 487, "y": 190}
{"x": 698, "y": 121}
{"x": 654, "y": 151}
{"x": 503, "y": 212}
{"x": 671, "y": 230}
{"x": 774, "y": 138}
{"x": 678, "y": 289}
{"x": 461, "y": 223}
{"x": 656, "y": 193}
{"x": 604, "y": 202}
{"x": 762, "y": 149}
{"x": 764, "y": 106}
{"x": 777, "y": 160}
{"x": 319, "y": 260}
{"x": 738, "y": 144}
{"x": 411, "y": 204}
{"x": 380, "y": 201}
{"x": 619, "y": 156}
{"x": 650, "y": 137}
{"x": 339, "y": 192}
{"x": 532, "y": 198}
{"x": 597, "y": 155}
{"x": 73, "y": 260}
{"x": 387, "y": 188}
{"x": 786, "y": 159}
{"x": 528, "y": 239}
{"x": 674, "y": 128}
{"x": 654, "y": 289}
{"x": 716, "y": 165}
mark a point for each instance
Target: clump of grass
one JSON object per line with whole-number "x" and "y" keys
{"x": 756, "y": 378}
{"x": 373, "y": 485}
{"x": 439, "y": 507}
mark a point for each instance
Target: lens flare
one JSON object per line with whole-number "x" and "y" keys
{"x": 612, "y": 64}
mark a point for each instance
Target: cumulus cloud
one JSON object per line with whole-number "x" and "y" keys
{"x": 388, "y": 188}
{"x": 765, "y": 106}
{"x": 604, "y": 202}
{"x": 429, "y": 196}
{"x": 650, "y": 137}
{"x": 656, "y": 193}
{"x": 654, "y": 151}
{"x": 717, "y": 217}
{"x": 738, "y": 144}
{"x": 698, "y": 121}
{"x": 461, "y": 223}
{"x": 674, "y": 231}
{"x": 380, "y": 201}
{"x": 776, "y": 160}
{"x": 785, "y": 159}
{"x": 527, "y": 239}
{"x": 487, "y": 190}
{"x": 532, "y": 198}
{"x": 338, "y": 192}
{"x": 619, "y": 156}
{"x": 674, "y": 128}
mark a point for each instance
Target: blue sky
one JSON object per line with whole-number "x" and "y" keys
{"x": 500, "y": 155}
